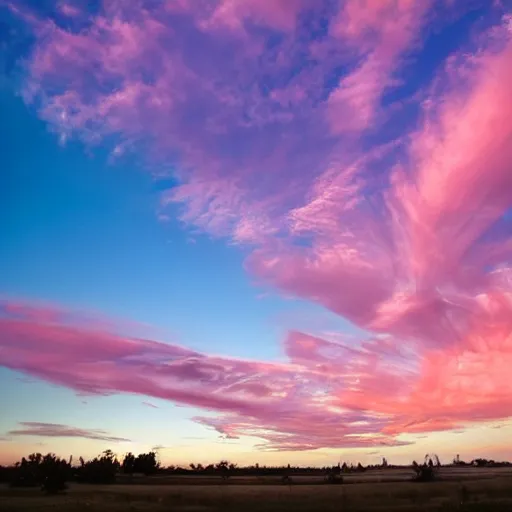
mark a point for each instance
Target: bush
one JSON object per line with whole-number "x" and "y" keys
{"x": 334, "y": 478}
{"x": 50, "y": 472}
{"x": 100, "y": 470}
{"x": 426, "y": 472}
{"x": 54, "y": 484}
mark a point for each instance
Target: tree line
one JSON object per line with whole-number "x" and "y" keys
{"x": 52, "y": 472}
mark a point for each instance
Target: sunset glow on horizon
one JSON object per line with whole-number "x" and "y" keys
{"x": 263, "y": 231}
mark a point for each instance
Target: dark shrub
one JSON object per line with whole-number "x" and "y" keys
{"x": 286, "y": 480}
{"x": 100, "y": 470}
{"x": 50, "y": 472}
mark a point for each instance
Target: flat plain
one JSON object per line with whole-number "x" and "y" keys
{"x": 467, "y": 489}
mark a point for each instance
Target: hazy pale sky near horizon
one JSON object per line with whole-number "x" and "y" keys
{"x": 267, "y": 231}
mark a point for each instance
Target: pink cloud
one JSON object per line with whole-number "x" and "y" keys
{"x": 329, "y": 393}
{"x": 69, "y": 10}
{"x": 413, "y": 262}
{"x": 278, "y": 14}
{"x": 137, "y": 74}
{"x": 367, "y": 22}
{"x": 381, "y": 32}
{"x": 462, "y": 182}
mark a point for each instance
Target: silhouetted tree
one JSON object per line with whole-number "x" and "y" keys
{"x": 100, "y": 470}
{"x": 432, "y": 460}
{"x": 223, "y": 468}
{"x": 26, "y": 472}
{"x": 427, "y": 472}
{"x": 55, "y": 472}
{"x": 49, "y": 471}
{"x": 146, "y": 463}
{"x": 128, "y": 464}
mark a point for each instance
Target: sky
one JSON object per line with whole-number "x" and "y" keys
{"x": 264, "y": 231}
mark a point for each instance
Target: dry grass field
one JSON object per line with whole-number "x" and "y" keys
{"x": 469, "y": 490}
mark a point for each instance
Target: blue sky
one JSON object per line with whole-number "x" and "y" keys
{"x": 71, "y": 237}
{"x": 101, "y": 249}
{"x": 82, "y": 230}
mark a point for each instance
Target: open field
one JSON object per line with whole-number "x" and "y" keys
{"x": 372, "y": 476}
{"x": 486, "y": 490}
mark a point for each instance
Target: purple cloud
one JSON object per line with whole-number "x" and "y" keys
{"x": 35, "y": 428}
{"x": 149, "y": 404}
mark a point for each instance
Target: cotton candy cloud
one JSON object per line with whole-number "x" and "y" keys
{"x": 381, "y": 32}
{"x": 411, "y": 260}
{"x": 224, "y": 117}
{"x": 276, "y": 119}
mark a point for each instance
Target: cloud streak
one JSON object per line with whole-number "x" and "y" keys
{"x": 149, "y": 404}
{"x": 38, "y": 429}
{"x": 284, "y": 139}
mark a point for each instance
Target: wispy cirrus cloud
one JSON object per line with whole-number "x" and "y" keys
{"x": 270, "y": 88}
{"x": 69, "y": 10}
{"x": 38, "y": 429}
{"x": 277, "y": 141}
{"x": 381, "y": 33}
{"x": 149, "y": 404}
{"x": 269, "y": 400}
